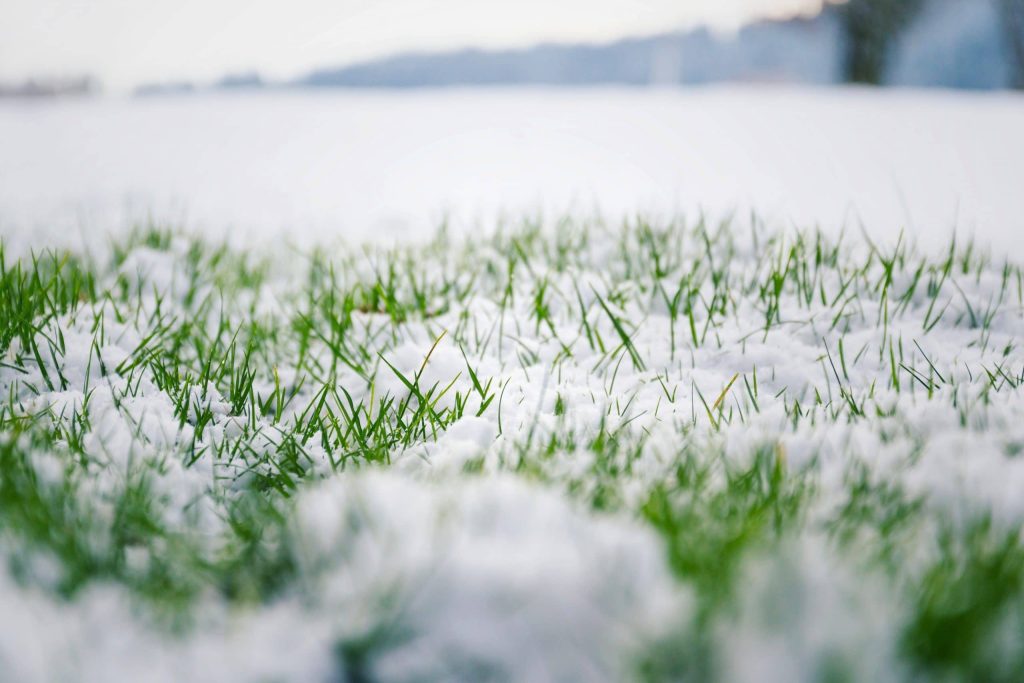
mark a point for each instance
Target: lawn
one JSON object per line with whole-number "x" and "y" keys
{"x": 661, "y": 450}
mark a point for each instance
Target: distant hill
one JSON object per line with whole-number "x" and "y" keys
{"x": 796, "y": 50}
{"x": 953, "y": 43}
{"x": 50, "y": 87}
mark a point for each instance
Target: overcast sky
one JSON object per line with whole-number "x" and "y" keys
{"x": 125, "y": 42}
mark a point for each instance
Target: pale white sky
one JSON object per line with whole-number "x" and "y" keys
{"x": 125, "y": 42}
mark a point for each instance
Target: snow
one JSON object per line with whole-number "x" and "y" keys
{"x": 487, "y": 576}
{"x": 805, "y": 615}
{"x": 453, "y": 574}
{"x": 388, "y": 166}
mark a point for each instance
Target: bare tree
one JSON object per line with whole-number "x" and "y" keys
{"x": 1012, "y": 15}
{"x": 869, "y": 29}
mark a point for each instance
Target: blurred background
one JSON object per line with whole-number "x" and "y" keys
{"x": 69, "y": 46}
{"x": 367, "y": 118}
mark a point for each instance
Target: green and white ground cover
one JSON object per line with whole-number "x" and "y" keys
{"x": 562, "y": 452}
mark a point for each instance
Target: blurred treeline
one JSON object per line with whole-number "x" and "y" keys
{"x": 870, "y": 27}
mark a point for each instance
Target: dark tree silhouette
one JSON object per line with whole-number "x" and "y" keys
{"x": 869, "y": 29}
{"x": 1012, "y": 15}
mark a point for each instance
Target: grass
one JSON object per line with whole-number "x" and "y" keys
{"x": 737, "y": 394}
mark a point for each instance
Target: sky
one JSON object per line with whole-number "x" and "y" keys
{"x": 123, "y": 43}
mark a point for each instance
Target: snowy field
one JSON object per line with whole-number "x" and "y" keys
{"x": 285, "y": 429}
{"x": 389, "y": 165}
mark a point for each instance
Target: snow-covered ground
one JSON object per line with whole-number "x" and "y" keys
{"x": 367, "y": 165}
{"x": 570, "y": 450}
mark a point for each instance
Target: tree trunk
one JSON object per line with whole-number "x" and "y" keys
{"x": 869, "y": 30}
{"x": 864, "y": 55}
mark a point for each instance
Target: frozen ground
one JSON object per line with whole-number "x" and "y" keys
{"x": 575, "y": 449}
{"x": 662, "y": 452}
{"x": 388, "y": 165}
